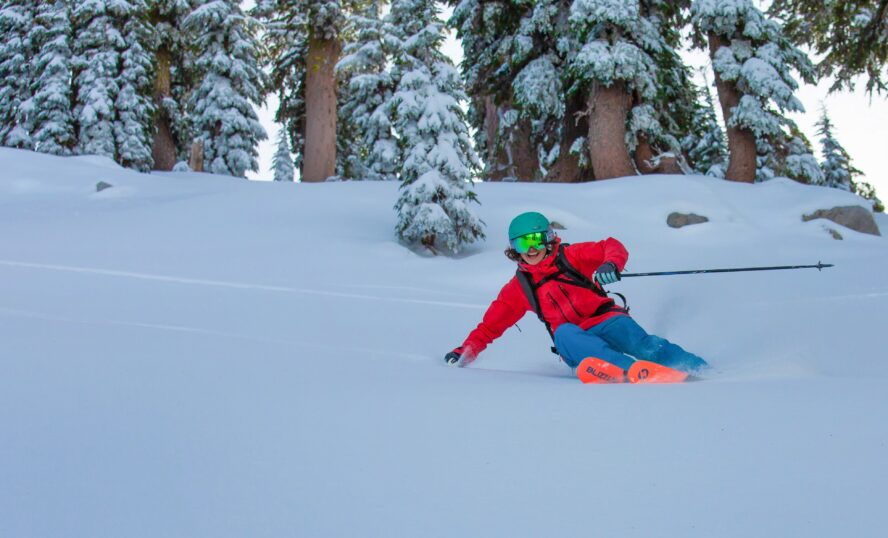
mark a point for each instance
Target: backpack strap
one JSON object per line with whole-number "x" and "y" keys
{"x": 530, "y": 291}
{"x": 579, "y": 279}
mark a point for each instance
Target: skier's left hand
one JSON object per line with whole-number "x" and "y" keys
{"x": 607, "y": 273}
{"x": 452, "y": 358}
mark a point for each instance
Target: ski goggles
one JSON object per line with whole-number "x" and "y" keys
{"x": 535, "y": 240}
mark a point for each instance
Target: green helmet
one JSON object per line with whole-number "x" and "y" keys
{"x": 527, "y": 223}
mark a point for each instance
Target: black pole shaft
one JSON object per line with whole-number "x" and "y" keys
{"x": 819, "y": 267}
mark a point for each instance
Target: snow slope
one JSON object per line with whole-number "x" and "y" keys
{"x": 190, "y": 355}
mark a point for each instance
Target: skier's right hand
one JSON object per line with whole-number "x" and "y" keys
{"x": 452, "y": 358}
{"x": 607, "y": 273}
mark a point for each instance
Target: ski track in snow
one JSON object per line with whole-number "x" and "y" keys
{"x": 371, "y": 353}
{"x": 234, "y": 285}
{"x": 405, "y": 288}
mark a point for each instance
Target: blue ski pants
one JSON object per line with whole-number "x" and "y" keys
{"x": 615, "y": 339}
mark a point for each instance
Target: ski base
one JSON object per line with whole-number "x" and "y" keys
{"x": 651, "y": 372}
{"x": 592, "y": 370}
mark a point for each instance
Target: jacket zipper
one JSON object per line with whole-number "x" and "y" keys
{"x": 558, "y": 306}
{"x": 566, "y": 296}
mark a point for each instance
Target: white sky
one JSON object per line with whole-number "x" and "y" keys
{"x": 861, "y": 124}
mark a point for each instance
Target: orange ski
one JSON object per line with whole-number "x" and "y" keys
{"x": 593, "y": 370}
{"x": 651, "y": 372}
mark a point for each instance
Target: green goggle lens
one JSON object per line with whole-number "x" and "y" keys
{"x": 536, "y": 240}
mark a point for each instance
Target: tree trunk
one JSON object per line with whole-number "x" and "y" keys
{"x": 164, "y": 145}
{"x": 196, "y": 160}
{"x": 496, "y": 157}
{"x": 648, "y": 163}
{"x": 607, "y": 108}
{"x": 513, "y": 155}
{"x": 567, "y": 168}
{"x": 319, "y": 160}
{"x": 669, "y": 165}
{"x": 525, "y": 164}
{"x": 644, "y": 156}
{"x": 741, "y": 142}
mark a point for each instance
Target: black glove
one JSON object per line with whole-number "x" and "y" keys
{"x": 607, "y": 273}
{"x": 452, "y": 358}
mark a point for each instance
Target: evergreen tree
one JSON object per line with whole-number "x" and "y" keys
{"x": 658, "y": 122}
{"x": 366, "y": 103}
{"x": 173, "y": 81}
{"x": 53, "y": 124}
{"x": 850, "y": 37}
{"x": 221, "y": 106}
{"x": 282, "y": 163}
{"x": 286, "y": 39}
{"x": 838, "y": 172}
{"x": 525, "y": 123}
{"x": 95, "y": 62}
{"x": 433, "y": 208}
{"x": 112, "y": 104}
{"x": 299, "y": 33}
{"x": 325, "y": 20}
{"x": 705, "y": 143}
{"x": 794, "y": 156}
{"x": 867, "y": 191}
{"x": 134, "y": 102}
{"x": 526, "y": 106}
{"x": 16, "y": 51}
{"x": 752, "y": 60}
{"x": 616, "y": 67}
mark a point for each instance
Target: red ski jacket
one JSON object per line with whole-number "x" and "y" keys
{"x": 559, "y": 302}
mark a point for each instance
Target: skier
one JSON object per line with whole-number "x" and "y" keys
{"x": 593, "y": 335}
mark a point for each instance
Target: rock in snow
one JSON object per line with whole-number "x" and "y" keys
{"x": 854, "y": 217}
{"x": 677, "y": 220}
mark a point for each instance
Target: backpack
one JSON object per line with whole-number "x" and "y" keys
{"x": 566, "y": 274}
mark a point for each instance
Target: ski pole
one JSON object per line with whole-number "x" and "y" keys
{"x": 820, "y": 266}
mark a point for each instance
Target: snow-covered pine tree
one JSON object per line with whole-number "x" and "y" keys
{"x": 173, "y": 81}
{"x": 434, "y": 206}
{"x": 659, "y": 125}
{"x": 16, "y": 50}
{"x": 221, "y": 106}
{"x": 512, "y": 70}
{"x": 752, "y": 60}
{"x": 794, "y": 156}
{"x": 299, "y": 32}
{"x": 849, "y": 37}
{"x": 865, "y": 190}
{"x": 134, "y": 103}
{"x": 325, "y": 20}
{"x": 367, "y": 103}
{"x": 838, "y": 172}
{"x": 286, "y": 39}
{"x": 53, "y": 124}
{"x": 282, "y": 162}
{"x": 616, "y": 61}
{"x": 95, "y": 62}
{"x": 705, "y": 144}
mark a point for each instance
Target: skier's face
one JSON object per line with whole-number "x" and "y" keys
{"x": 534, "y": 256}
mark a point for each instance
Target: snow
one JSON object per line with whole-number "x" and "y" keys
{"x": 537, "y": 88}
{"x": 193, "y": 355}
